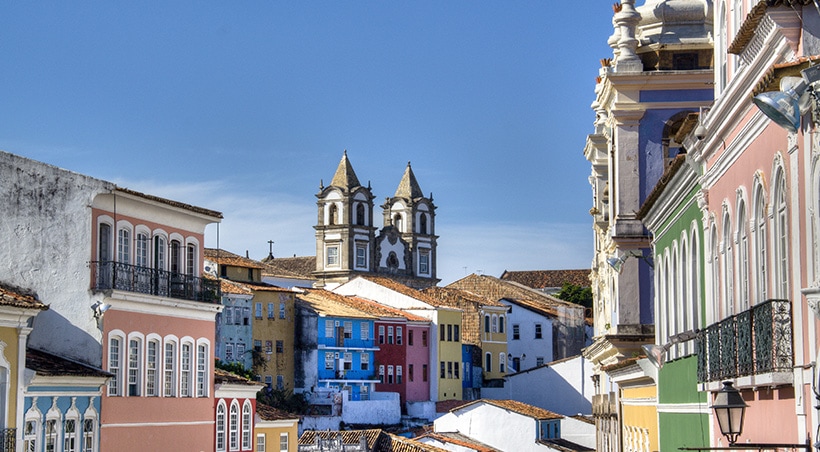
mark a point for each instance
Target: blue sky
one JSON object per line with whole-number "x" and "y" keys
{"x": 243, "y": 107}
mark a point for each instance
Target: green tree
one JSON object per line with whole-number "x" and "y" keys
{"x": 576, "y": 294}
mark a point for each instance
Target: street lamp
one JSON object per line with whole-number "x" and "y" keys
{"x": 729, "y": 409}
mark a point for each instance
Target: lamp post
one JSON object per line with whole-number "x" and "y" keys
{"x": 729, "y": 409}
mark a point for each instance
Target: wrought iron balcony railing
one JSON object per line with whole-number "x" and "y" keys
{"x": 753, "y": 342}
{"x": 8, "y": 439}
{"x": 130, "y": 278}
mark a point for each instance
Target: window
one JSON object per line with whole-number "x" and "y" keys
{"x": 539, "y": 360}
{"x": 233, "y": 427}
{"x": 201, "y": 370}
{"x": 332, "y": 214}
{"x": 280, "y": 346}
{"x": 495, "y": 324}
{"x": 424, "y": 261}
{"x": 134, "y": 368}
{"x": 70, "y": 435}
{"x": 390, "y": 375}
{"x": 170, "y": 368}
{"x": 365, "y": 331}
{"x": 329, "y": 329}
{"x": 398, "y": 374}
{"x": 410, "y": 372}
{"x": 501, "y": 324}
{"x": 486, "y": 324}
{"x": 258, "y": 313}
{"x": 538, "y": 334}
{"x": 381, "y": 374}
{"x": 381, "y": 334}
{"x": 260, "y": 443}
{"x": 455, "y": 370}
{"x": 781, "y": 239}
{"x": 365, "y": 361}
{"x": 30, "y": 436}
{"x": 516, "y": 332}
{"x": 152, "y": 369}
{"x": 271, "y": 311}
{"x": 488, "y": 362}
{"x": 257, "y": 345}
{"x": 240, "y": 351}
{"x": 185, "y": 371}
{"x": 332, "y": 256}
{"x": 190, "y": 259}
{"x": 104, "y": 250}
{"x": 220, "y": 426}
{"x": 142, "y": 250}
{"x": 443, "y": 371}
{"x": 410, "y": 337}
{"x": 348, "y": 330}
{"x": 246, "y": 425}
{"x": 760, "y": 244}
{"x": 361, "y": 256}
{"x": 88, "y": 435}
{"x": 283, "y": 442}
{"x": 449, "y": 333}
{"x": 228, "y": 315}
{"x": 360, "y": 218}
{"x": 424, "y": 338}
{"x": 441, "y": 331}
{"x": 268, "y": 347}
{"x": 389, "y": 334}
{"x": 502, "y": 362}
{"x": 159, "y": 253}
{"x": 348, "y": 361}
{"x": 456, "y": 333}
{"x": 246, "y": 317}
{"x": 423, "y": 223}
{"x": 424, "y": 372}
{"x": 229, "y": 352}
{"x": 51, "y": 435}
{"x": 268, "y": 381}
{"x": 449, "y": 369}
{"x": 280, "y": 382}
{"x": 123, "y": 249}
{"x": 114, "y": 345}
{"x": 281, "y": 309}
{"x": 250, "y": 274}
{"x": 175, "y": 256}
{"x": 399, "y": 333}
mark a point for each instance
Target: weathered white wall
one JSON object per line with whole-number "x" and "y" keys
{"x": 45, "y": 223}
{"x": 564, "y": 387}
{"x": 579, "y": 432}
{"x": 383, "y": 408}
{"x": 319, "y": 423}
{"x": 527, "y": 344}
{"x": 422, "y": 410}
{"x": 446, "y": 446}
{"x": 492, "y": 426}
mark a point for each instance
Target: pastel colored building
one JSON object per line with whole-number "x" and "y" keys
{"x": 233, "y": 325}
{"x": 276, "y": 430}
{"x": 445, "y": 350}
{"x": 235, "y": 412}
{"x": 274, "y": 340}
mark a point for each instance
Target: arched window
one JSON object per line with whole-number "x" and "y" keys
{"x": 728, "y": 266}
{"x": 360, "y": 216}
{"x": 332, "y": 215}
{"x": 423, "y": 223}
{"x": 190, "y": 259}
{"x": 246, "y": 425}
{"x": 202, "y": 359}
{"x": 495, "y": 323}
{"x": 488, "y": 362}
{"x": 176, "y": 256}
{"x": 134, "y": 366}
{"x": 715, "y": 276}
{"x": 30, "y": 435}
{"x": 660, "y": 295}
{"x": 185, "y": 364}
{"x": 169, "y": 369}
{"x": 501, "y": 324}
{"x": 398, "y": 223}
{"x": 760, "y": 245}
{"x": 721, "y": 45}
{"x": 502, "y": 362}
{"x": 124, "y": 246}
{"x": 694, "y": 281}
{"x": 674, "y": 295}
{"x": 743, "y": 255}
{"x": 115, "y": 355}
{"x": 781, "y": 238}
{"x": 486, "y": 323}
{"x": 152, "y": 357}
{"x": 159, "y": 253}
{"x": 220, "y": 426}
{"x": 233, "y": 426}
{"x": 142, "y": 250}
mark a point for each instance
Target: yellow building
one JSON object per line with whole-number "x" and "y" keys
{"x": 638, "y": 401}
{"x": 276, "y": 430}
{"x": 274, "y": 321}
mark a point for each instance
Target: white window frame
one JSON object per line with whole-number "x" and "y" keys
{"x": 152, "y": 367}
{"x": 115, "y": 364}
{"x": 247, "y": 423}
{"x": 135, "y": 355}
{"x": 186, "y": 368}
{"x": 202, "y": 366}
{"x": 284, "y": 441}
{"x": 169, "y": 368}
{"x": 221, "y": 431}
{"x": 233, "y": 426}
{"x": 260, "y": 442}
{"x": 332, "y": 256}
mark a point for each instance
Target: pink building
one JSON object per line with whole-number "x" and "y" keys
{"x": 156, "y": 314}
{"x": 235, "y": 412}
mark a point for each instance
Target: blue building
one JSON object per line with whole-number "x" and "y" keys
{"x": 234, "y": 330}
{"x": 61, "y": 404}
{"x": 337, "y": 345}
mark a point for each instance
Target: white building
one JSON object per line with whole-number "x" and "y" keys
{"x": 529, "y": 337}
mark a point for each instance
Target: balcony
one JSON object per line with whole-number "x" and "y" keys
{"x": 604, "y": 405}
{"x": 754, "y": 342}
{"x": 130, "y": 278}
{"x": 8, "y": 440}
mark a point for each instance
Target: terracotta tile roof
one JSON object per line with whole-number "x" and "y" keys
{"x": 377, "y": 440}
{"x": 379, "y": 310}
{"x": 177, "y": 204}
{"x": 542, "y": 279}
{"x": 749, "y": 27}
{"x": 14, "y": 296}
{"x": 517, "y": 407}
{"x": 470, "y": 305}
{"x": 458, "y": 439}
{"x": 232, "y": 287}
{"x": 223, "y": 376}
{"x": 223, "y": 257}
{"x": 330, "y": 304}
{"x": 491, "y": 287}
{"x": 46, "y": 364}
{"x": 269, "y": 413}
{"x": 290, "y": 267}
{"x": 445, "y": 406}
{"x": 401, "y": 288}
{"x": 262, "y": 287}
{"x": 770, "y": 81}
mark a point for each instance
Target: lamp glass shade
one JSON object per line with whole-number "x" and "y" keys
{"x": 655, "y": 353}
{"x": 616, "y": 263}
{"x": 729, "y": 410}
{"x": 781, "y": 107}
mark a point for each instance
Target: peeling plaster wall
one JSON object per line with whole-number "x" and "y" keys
{"x": 46, "y": 229}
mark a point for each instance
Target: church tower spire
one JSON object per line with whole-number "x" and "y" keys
{"x": 345, "y": 235}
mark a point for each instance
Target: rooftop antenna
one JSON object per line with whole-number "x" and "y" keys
{"x": 270, "y": 252}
